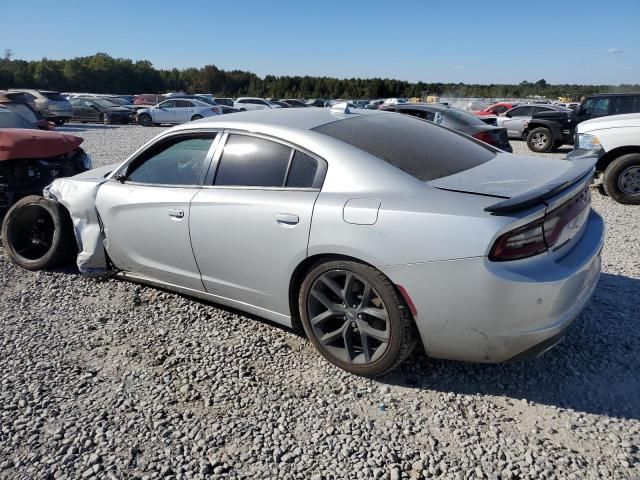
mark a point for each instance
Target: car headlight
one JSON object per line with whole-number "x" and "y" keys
{"x": 87, "y": 162}
{"x": 588, "y": 142}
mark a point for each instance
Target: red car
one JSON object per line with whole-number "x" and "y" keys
{"x": 495, "y": 109}
{"x": 31, "y": 159}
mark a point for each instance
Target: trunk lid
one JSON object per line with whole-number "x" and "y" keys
{"x": 520, "y": 181}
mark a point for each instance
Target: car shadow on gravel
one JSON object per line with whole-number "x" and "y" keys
{"x": 79, "y": 127}
{"x": 596, "y": 369}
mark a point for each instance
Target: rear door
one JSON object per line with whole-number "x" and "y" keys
{"x": 250, "y": 226}
{"x": 146, "y": 213}
{"x": 183, "y": 111}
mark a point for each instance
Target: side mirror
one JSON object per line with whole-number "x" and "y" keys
{"x": 508, "y": 115}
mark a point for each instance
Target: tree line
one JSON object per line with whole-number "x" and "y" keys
{"x": 101, "y": 73}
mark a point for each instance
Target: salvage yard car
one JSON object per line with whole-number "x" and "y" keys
{"x": 51, "y": 105}
{"x": 175, "y": 111}
{"x": 615, "y": 141}
{"x": 99, "y": 110}
{"x": 31, "y": 159}
{"x": 375, "y": 231}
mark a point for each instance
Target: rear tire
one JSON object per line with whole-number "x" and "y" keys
{"x": 622, "y": 179}
{"x": 196, "y": 117}
{"x": 349, "y": 334}
{"x": 540, "y": 140}
{"x": 37, "y": 234}
{"x": 145, "y": 120}
{"x": 105, "y": 119}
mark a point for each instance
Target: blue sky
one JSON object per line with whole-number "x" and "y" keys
{"x": 479, "y": 41}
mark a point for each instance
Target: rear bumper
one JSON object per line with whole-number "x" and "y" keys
{"x": 481, "y": 311}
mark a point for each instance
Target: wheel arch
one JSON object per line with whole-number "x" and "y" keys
{"x": 611, "y": 155}
{"x": 305, "y": 266}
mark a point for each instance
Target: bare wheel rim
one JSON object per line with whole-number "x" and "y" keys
{"x": 539, "y": 140}
{"x": 32, "y": 232}
{"x": 348, "y": 317}
{"x": 629, "y": 180}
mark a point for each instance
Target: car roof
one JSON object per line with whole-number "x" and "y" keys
{"x": 277, "y": 119}
{"x": 626, "y": 94}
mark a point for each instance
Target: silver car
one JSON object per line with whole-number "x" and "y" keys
{"x": 176, "y": 111}
{"x": 515, "y": 120}
{"x": 373, "y": 230}
{"x": 51, "y": 105}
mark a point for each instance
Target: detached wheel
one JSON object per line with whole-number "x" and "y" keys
{"x": 540, "y": 140}
{"x": 622, "y": 179}
{"x": 145, "y": 120}
{"x": 37, "y": 234}
{"x": 355, "y": 317}
{"x": 196, "y": 117}
{"x": 105, "y": 119}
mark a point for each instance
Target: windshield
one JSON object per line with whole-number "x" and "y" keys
{"x": 417, "y": 147}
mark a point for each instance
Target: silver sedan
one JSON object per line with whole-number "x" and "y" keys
{"x": 373, "y": 230}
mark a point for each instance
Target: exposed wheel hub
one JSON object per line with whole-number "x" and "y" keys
{"x": 629, "y": 181}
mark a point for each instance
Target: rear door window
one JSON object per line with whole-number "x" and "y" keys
{"x": 253, "y": 162}
{"x": 183, "y": 104}
{"x": 421, "y": 149}
{"x": 521, "y": 112}
{"x": 303, "y": 171}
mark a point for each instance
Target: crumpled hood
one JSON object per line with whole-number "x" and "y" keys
{"x": 506, "y": 176}
{"x": 22, "y": 143}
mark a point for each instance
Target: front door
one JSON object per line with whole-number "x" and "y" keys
{"x": 145, "y": 212}
{"x": 250, "y": 229}
{"x": 163, "y": 112}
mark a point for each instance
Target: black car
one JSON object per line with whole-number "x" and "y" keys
{"x": 456, "y": 119}
{"x": 547, "y": 131}
{"x": 294, "y": 103}
{"x": 99, "y": 110}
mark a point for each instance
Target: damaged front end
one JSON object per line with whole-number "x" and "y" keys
{"x": 78, "y": 195}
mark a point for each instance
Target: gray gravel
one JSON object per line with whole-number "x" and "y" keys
{"x": 114, "y": 380}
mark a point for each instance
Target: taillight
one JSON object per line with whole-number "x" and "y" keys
{"x": 485, "y": 137}
{"x": 216, "y": 110}
{"x": 543, "y": 234}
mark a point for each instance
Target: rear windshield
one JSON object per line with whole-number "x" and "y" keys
{"x": 463, "y": 117}
{"x": 54, "y": 96}
{"x": 23, "y": 110}
{"x": 417, "y": 147}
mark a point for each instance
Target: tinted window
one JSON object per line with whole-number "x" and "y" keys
{"x": 418, "y": 148}
{"x": 462, "y": 117}
{"x": 302, "y": 172}
{"x": 595, "y": 106}
{"x": 256, "y": 102}
{"x": 224, "y": 101}
{"x": 54, "y": 96}
{"x": 178, "y": 162}
{"x": 520, "y": 111}
{"x": 9, "y": 119}
{"x": 627, "y": 105}
{"x": 541, "y": 109}
{"x": 499, "y": 110}
{"x": 168, "y": 104}
{"x": 183, "y": 104}
{"x": 253, "y": 162}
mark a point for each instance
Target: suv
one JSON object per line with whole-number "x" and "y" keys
{"x": 51, "y": 105}
{"x": 547, "y": 131}
{"x": 615, "y": 140}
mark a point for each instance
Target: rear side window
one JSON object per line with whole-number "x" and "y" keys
{"x": 183, "y": 104}
{"x": 54, "y": 96}
{"x": 521, "y": 111}
{"x": 253, "y": 162}
{"x": 303, "y": 171}
{"x": 178, "y": 161}
{"x": 421, "y": 149}
{"x": 627, "y": 105}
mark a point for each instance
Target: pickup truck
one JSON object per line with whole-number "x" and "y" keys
{"x": 615, "y": 141}
{"x": 547, "y": 131}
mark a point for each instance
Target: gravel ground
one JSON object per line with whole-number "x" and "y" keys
{"x": 114, "y": 380}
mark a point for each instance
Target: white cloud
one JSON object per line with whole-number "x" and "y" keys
{"x": 614, "y": 50}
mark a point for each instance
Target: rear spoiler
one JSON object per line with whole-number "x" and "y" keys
{"x": 582, "y": 169}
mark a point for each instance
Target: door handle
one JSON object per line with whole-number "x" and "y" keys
{"x": 287, "y": 219}
{"x": 176, "y": 213}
